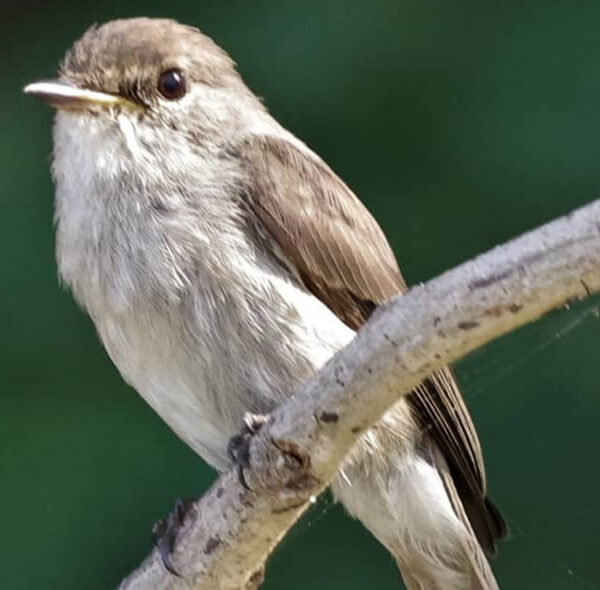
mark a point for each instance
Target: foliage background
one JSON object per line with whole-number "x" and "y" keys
{"x": 461, "y": 124}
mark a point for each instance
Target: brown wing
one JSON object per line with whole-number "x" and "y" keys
{"x": 343, "y": 257}
{"x": 324, "y": 230}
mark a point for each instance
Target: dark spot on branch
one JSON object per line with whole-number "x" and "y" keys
{"x": 329, "y": 417}
{"x": 211, "y": 545}
{"x": 389, "y": 339}
{"x": 291, "y": 451}
{"x": 256, "y": 580}
{"x": 338, "y": 372}
{"x": 515, "y": 307}
{"x": 436, "y": 320}
{"x": 468, "y": 325}
{"x": 355, "y": 429}
{"x": 220, "y": 492}
{"x": 487, "y": 281}
{"x": 495, "y": 311}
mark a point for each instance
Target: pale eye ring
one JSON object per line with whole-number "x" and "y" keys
{"x": 172, "y": 84}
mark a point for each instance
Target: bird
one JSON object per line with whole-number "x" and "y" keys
{"x": 223, "y": 262}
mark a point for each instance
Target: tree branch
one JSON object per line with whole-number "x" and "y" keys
{"x": 230, "y": 532}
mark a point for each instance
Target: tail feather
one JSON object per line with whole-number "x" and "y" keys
{"x": 483, "y": 578}
{"x": 410, "y": 504}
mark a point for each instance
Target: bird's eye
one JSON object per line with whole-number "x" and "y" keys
{"x": 172, "y": 84}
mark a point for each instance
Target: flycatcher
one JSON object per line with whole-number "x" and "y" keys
{"x": 223, "y": 262}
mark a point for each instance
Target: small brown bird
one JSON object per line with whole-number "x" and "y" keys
{"x": 223, "y": 262}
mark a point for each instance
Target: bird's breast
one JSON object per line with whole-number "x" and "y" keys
{"x": 203, "y": 362}
{"x": 199, "y": 318}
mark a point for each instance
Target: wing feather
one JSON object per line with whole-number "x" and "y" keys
{"x": 343, "y": 257}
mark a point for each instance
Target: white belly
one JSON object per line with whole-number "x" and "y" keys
{"x": 200, "y": 367}
{"x": 199, "y": 317}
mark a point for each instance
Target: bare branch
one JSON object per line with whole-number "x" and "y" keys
{"x": 231, "y": 532}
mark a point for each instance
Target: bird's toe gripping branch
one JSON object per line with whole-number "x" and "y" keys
{"x": 166, "y": 530}
{"x": 238, "y": 448}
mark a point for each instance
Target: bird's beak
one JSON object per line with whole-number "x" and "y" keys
{"x": 62, "y": 95}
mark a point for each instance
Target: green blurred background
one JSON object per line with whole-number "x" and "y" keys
{"x": 461, "y": 124}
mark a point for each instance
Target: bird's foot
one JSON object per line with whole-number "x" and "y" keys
{"x": 238, "y": 448}
{"x": 165, "y": 532}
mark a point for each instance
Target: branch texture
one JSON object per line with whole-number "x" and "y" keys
{"x": 230, "y": 532}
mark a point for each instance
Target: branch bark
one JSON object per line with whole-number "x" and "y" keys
{"x": 230, "y": 531}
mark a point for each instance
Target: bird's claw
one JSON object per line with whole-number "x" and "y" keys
{"x": 165, "y": 533}
{"x": 238, "y": 447}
